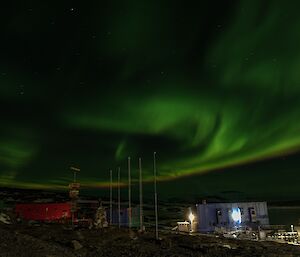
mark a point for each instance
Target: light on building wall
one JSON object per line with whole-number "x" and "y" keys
{"x": 236, "y": 215}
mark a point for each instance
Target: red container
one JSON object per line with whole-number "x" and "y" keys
{"x": 44, "y": 211}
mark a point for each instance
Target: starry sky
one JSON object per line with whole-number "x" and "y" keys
{"x": 213, "y": 87}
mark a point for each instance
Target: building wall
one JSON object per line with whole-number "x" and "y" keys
{"x": 214, "y": 215}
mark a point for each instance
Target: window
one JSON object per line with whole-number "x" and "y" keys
{"x": 242, "y": 211}
{"x": 218, "y": 216}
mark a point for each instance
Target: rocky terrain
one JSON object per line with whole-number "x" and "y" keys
{"x": 58, "y": 241}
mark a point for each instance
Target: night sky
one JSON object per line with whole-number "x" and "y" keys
{"x": 212, "y": 87}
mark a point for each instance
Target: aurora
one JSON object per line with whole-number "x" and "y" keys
{"x": 92, "y": 84}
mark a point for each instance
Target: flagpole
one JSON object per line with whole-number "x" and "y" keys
{"x": 141, "y": 196}
{"x": 155, "y": 196}
{"x": 119, "y": 199}
{"x": 129, "y": 195}
{"x": 110, "y": 199}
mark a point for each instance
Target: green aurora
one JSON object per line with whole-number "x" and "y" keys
{"x": 90, "y": 85}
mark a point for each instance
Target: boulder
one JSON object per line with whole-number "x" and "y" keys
{"x": 4, "y": 218}
{"x": 76, "y": 245}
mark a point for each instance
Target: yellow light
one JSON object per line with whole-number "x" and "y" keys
{"x": 191, "y": 217}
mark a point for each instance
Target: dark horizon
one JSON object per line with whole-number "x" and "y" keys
{"x": 218, "y": 185}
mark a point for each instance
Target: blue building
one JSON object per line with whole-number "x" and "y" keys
{"x": 124, "y": 216}
{"x": 231, "y": 215}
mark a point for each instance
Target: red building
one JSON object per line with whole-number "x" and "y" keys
{"x": 44, "y": 211}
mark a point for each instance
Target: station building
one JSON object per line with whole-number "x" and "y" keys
{"x": 211, "y": 216}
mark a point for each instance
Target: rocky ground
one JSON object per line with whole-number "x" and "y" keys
{"x": 58, "y": 241}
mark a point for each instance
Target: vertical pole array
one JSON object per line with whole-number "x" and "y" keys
{"x": 141, "y": 196}
{"x": 110, "y": 199}
{"x": 119, "y": 199}
{"x": 129, "y": 195}
{"x": 155, "y": 197}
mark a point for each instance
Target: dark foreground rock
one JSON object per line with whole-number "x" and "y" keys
{"x": 56, "y": 241}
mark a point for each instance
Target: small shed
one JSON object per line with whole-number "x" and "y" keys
{"x": 184, "y": 226}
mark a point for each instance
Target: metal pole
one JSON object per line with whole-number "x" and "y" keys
{"x": 129, "y": 195}
{"x": 110, "y": 199}
{"x": 155, "y": 196}
{"x": 74, "y": 202}
{"x": 141, "y": 196}
{"x": 119, "y": 198}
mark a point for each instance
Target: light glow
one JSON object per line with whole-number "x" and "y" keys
{"x": 236, "y": 215}
{"x": 191, "y": 217}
